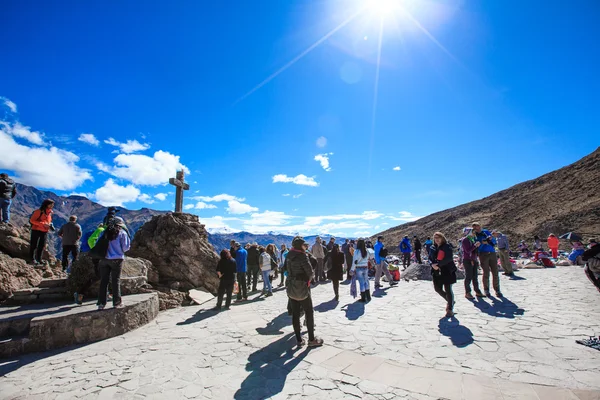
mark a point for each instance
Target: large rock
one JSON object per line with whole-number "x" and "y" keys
{"x": 14, "y": 241}
{"x": 16, "y": 274}
{"x": 422, "y": 272}
{"x": 178, "y": 248}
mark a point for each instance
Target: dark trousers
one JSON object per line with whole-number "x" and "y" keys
{"x": 37, "y": 244}
{"x": 253, "y": 271}
{"x": 225, "y": 287}
{"x": 297, "y": 307}
{"x": 471, "y": 267}
{"x": 242, "y": 288}
{"x": 336, "y": 287}
{"x": 444, "y": 290}
{"x": 110, "y": 269}
{"x": 282, "y": 278}
{"x": 69, "y": 249}
{"x": 418, "y": 256}
{"x": 406, "y": 259}
{"x": 348, "y": 265}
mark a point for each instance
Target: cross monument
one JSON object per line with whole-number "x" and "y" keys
{"x": 180, "y": 185}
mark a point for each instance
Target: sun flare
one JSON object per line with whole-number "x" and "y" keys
{"x": 382, "y": 7}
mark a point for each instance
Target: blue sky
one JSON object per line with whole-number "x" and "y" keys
{"x": 273, "y": 108}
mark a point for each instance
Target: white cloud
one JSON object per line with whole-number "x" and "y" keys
{"x": 217, "y": 198}
{"x": 145, "y": 199}
{"x": 298, "y": 179}
{"x": 235, "y": 207}
{"x": 405, "y": 216}
{"x": 323, "y": 159}
{"x": 297, "y": 196}
{"x": 89, "y": 138}
{"x": 204, "y": 206}
{"x": 112, "y": 194}
{"x": 218, "y": 224}
{"x": 322, "y": 142}
{"x": 11, "y": 105}
{"x": 161, "y": 196}
{"x": 396, "y": 168}
{"x": 286, "y": 195}
{"x": 24, "y": 132}
{"x": 131, "y": 146}
{"x": 188, "y": 206}
{"x": 145, "y": 170}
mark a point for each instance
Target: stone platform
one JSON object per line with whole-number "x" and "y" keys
{"x": 41, "y": 327}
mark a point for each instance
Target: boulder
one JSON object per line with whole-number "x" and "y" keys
{"x": 422, "y": 272}
{"x": 14, "y": 241}
{"x": 178, "y": 248}
{"x": 16, "y": 274}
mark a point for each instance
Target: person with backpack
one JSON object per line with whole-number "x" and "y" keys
{"x": 469, "y": 253}
{"x": 8, "y": 191}
{"x": 418, "y": 247}
{"x": 381, "y": 265}
{"x": 443, "y": 270}
{"x": 265, "y": 268}
{"x": 70, "y": 233}
{"x": 41, "y": 224}
{"x": 487, "y": 258}
{"x": 226, "y": 269}
{"x": 592, "y": 263}
{"x": 406, "y": 250}
{"x": 114, "y": 243}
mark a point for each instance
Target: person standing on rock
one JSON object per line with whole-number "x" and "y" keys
{"x": 381, "y": 265}
{"x": 418, "y": 247}
{"x": 443, "y": 270}
{"x": 318, "y": 252}
{"x": 253, "y": 266}
{"x": 8, "y": 191}
{"x": 553, "y": 244}
{"x": 41, "y": 224}
{"x": 265, "y": 268}
{"x": 70, "y": 233}
{"x": 110, "y": 267}
{"x": 469, "y": 250}
{"x": 406, "y": 250}
{"x": 487, "y": 258}
{"x": 336, "y": 272}
{"x": 360, "y": 267}
{"x": 241, "y": 258}
{"x": 226, "y": 269}
{"x": 503, "y": 252}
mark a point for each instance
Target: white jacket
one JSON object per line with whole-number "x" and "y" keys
{"x": 360, "y": 261}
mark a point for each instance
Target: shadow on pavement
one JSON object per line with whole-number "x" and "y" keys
{"x": 201, "y": 315}
{"x": 269, "y": 368}
{"x": 327, "y": 306}
{"x": 460, "y": 335}
{"x": 517, "y": 278}
{"x": 501, "y": 308}
{"x": 380, "y": 292}
{"x": 274, "y": 327}
{"x": 13, "y": 363}
{"x": 354, "y": 310}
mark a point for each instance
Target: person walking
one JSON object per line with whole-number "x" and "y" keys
{"x": 41, "y": 224}
{"x": 284, "y": 253}
{"x": 381, "y": 265}
{"x": 503, "y": 252}
{"x": 318, "y": 251}
{"x": 469, "y": 250}
{"x": 406, "y": 250}
{"x": 253, "y": 266}
{"x": 265, "y": 268}
{"x": 70, "y": 233}
{"x": 300, "y": 271}
{"x": 336, "y": 272}
{"x": 553, "y": 244}
{"x": 443, "y": 270}
{"x": 487, "y": 258}
{"x": 241, "y": 258}
{"x": 8, "y": 191}
{"x": 110, "y": 267}
{"x": 418, "y": 247}
{"x": 360, "y": 267}
{"x": 226, "y": 269}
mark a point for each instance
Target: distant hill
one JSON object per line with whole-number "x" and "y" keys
{"x": 561, "y": 201}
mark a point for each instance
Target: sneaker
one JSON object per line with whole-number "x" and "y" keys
{"x": 316, "y": 342}
{"x": 479, "y": 294}
{"x": 449, "y": 314}
{"x": 120, "y": 305}
{"x": 469, "y": 296}
{"x": 109, "y": 297}
{"x": 393, "y": 283}
{"x": 301, "y": 343}
{"x": 377, "y": 286}
{"x": 100, "y": 307}
{"x": 269, "y": 294}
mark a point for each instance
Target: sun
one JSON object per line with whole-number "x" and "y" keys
{"x": 382, "y": 7}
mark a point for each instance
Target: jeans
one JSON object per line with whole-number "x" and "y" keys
{"x": 69, "y": 249}
{"x": 320, "y": 273}
{"x": 110, "y": 269}
{"x": 225, "y": 287}
{"x": 242, "y": 288}
{"x": 267, "y": 287}
{"x": 505, "y": 261}
{"x": 297, "y": 307}
{"x": 489, "y": 263}
{"x": 362, "y": 274}
{"x": 444, "y": 290}
{"x": 253, "y": 271}
{"x": 5, "y": 208}
{"x": 37, "y": 245}
{"x": 405, "y": 259}
{"x": 471, "y": 275}
{"x": 382, "y": 267}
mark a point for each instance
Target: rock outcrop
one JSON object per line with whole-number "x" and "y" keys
{"x": 422, "y": 272}
{"x": 178, "y": 248}
{"x": 14, "y": 241}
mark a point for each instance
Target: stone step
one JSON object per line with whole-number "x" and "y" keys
{"x": 39, "y": 290}
{"x": 12, "y": 346}
{"x": 52, "y": 283}
{"x": 38, "y": 295}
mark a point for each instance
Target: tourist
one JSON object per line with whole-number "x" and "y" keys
{"x": 274, "y": 253}
{"x": 524, "y": 249}
{"x": 347, "y": 256}
{"x": 443, "y": 270}
{"x": 487, "y": 259}
{"x": 428, "y": 243}
{"x": 266, "y": 261}
{"x": 283, "y": 252}
{"x": 328, "y": 253}
{"x": 418, "y": 247}
{"x": 592, "y": 259}
{"x": 41, "y": 224}
{"x": 336, "y": 272}
{"x": 574, "y": 256}
{"x": 553, "y": 244}
{"x": 253, "y": 266}
{"x": 406, "y": 250}
{"x": 70, "y": 233}
{"x": 226, "y": 269}
{"x": 241, "y": 257}
{"x": 360, "y": 267}
{"x": 318, "y": 251}
{"x": 8, "y": 191}
{"x": 381, "y": 265}
{"x": 537, "y": 244}
{"x": 469, "y": 250}
{"x": 300, "y": 274}
{"x": 110, "y": 267}
{"x": 232, "y": 248}
{"x": 351, "y": 249}
{"x": 503, "y": 252}
{"x": 110, "y": 214}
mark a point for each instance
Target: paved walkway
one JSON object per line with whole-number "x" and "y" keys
{"x": 521, "y": 347}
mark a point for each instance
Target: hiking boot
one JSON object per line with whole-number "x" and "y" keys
{"x": 362, "y": 297}
{"x": 316, "y": 342}
{"x": 469, "y": 296}
{"x": 368, "y": 295}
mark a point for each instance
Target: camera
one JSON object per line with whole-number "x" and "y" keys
{"x": 52, "y": 228}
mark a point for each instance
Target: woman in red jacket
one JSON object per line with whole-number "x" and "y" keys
{"x": 41, "y": 223}
{"x": 553, "y": 243}
{"x": 443, "y": 270}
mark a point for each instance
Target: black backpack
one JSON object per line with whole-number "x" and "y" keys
{"x": 383, "y": 253}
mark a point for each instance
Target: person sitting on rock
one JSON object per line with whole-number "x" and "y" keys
{"x": 8, "y": 191}
{"x": 226, "y": 270}
{"x": 41, "y": 224}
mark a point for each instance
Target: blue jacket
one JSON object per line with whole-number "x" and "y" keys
{"x": 485, "y": 247}
{"x": 408, "y": 248}
{"x": 241, "y": 256}
{"x": 378, "y": 246}
{"x": 85, "y": 247}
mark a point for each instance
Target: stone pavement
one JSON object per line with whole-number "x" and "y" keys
{"x": 521, "y": 347}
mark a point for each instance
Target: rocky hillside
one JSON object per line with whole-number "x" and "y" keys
{"x": 564, "y": 200}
